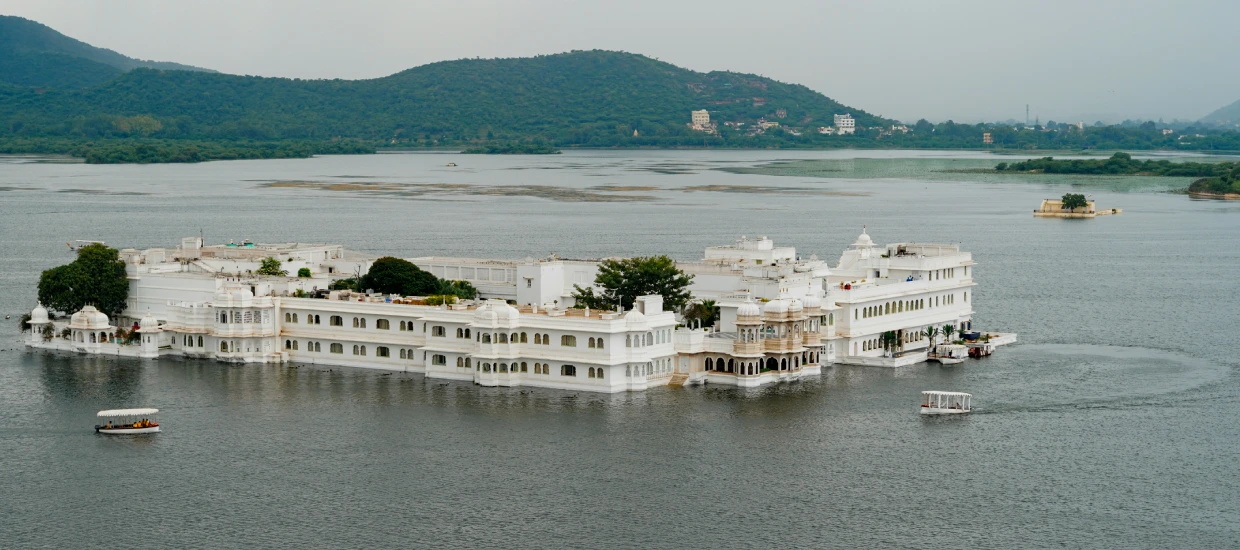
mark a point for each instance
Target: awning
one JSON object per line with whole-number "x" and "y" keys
{"x": 128, "y": 412}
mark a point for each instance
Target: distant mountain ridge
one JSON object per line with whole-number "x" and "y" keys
{"x": 33, "y": 54}
{"x": 583, "y": 98}
{"x": 1224, "y": 116}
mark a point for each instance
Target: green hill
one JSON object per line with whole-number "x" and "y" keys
{"x": 586, "y": 98}
{"x": 1224, "y": 116}
{"x": 33, "y": 54}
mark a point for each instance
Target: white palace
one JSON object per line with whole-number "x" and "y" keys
{"x": 781, "y": 317}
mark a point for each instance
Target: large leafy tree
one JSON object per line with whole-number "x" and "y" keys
{"x": 96, "y": 277}
{"x": 1072, "y": 201}
{"x": 622, "y": 281}
{"x": 271, "y": 267}
{"x": 390, "y": 275}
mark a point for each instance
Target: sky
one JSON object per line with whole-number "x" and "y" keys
{"x": 966, "y": 60}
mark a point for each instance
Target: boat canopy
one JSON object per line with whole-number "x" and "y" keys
{"x": 128, "y": 412}
{"x": 947, "y": 393}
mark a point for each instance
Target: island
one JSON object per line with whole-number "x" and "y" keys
{"x": 1225, "y": 186}
{"x": 1071, "y": 205}
{"x": 1119, "y": 164}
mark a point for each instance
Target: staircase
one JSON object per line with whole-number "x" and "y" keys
{"x": 678, "y": 379}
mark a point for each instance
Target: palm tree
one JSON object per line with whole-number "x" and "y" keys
{"x": 931, "y": 333}
{"x": 947, "y": 332}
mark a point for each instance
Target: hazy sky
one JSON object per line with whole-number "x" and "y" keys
{"x": 961, "y": 59}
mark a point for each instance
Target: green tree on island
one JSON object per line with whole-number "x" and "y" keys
{"x": 701, "y": 313}
{"x": 1072, "y": 201}
{"x": 390, "y": 275}
{"x": 96, "y": 277}
{"x": 622, "y": 281}
{"x": 271, "y": 267}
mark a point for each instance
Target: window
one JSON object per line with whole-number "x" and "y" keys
{"x": 336, "y": 321}
{"x": 568, "y": 340}
{"x": 568, "y": 370}
{"x": 591, "y": 375}
{"x": 200, "y": 341}
{"x": 599, "y": 375}
{"x": 546, "y": 339}
{"x": 503, "y": 337}
{"x": 355, "y": 323}
{"x": 439, "y": 359}
{"x": 467, "y": 333}
{"x": 402, "y": 353}
{"x": 337, "y": 348}
{"x": 356, "y": 349}
{"x": 537, "y": 338}
{"x": 288, "y": 344}
{"x": 382, "y": 352}
{"x": 486, "y": 337}
{"x": 438, "y": 331}
{"x": 467, "y": 363}
{"x": 966, "y": 296}
{"x": 382, "y": 324}
{"x": 591, "y": 346}
{"x": 403, "y": 326}
{"x": 599, "y": 344}
{"x": 288, "y": 317}
{"x": 525, "y": 367}
{"x": 524, "y": 339}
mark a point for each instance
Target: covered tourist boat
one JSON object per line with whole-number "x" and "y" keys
{"x": 946, "y": 402}
{"x": 949, "y": 354}
{"x": 128, "y": 421}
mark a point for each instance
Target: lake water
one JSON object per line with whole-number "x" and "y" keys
{"x": 1114, "y": 423}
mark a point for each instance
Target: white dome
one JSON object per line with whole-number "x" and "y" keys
{"x": 863, "y": 240}
{"x": 635, "y": 317}
{"x": 38, "y": 314}
{"x": 795, "y": 305}
{"x": 775, "y": 306}
{"x": 485, "y": 313}
{"x": 505, "y": 311}
{"x": 89, "y": 318}
{"x": 811, "y": 302}
{"x": 748, "y": 309}
{"x": 148, "y": 322}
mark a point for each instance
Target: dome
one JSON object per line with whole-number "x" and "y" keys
{"x": 748, "y": 309}
{"x": 148, "y": 322}
{"x": 505, "y": 312}
{"x": 795, "y": 305}
{"x": 811, "y": 302}
{"x": 863, "y": 240}
{"x": 38, "y": 314}
{"x": 485, "y": 313}
{"x": 89, "y": 318}
{"x": 775, "y": 306}
{"x": 635, "y": 317}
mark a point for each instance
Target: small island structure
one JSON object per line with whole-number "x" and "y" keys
{"x": 1072, "y": 205}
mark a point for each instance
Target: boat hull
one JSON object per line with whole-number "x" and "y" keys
{"x": 127, "y": 431}
{"x": 935, "y": 410}
{"x": 950, "y": 360}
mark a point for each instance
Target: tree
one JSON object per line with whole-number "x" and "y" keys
{"x": 460, "y": 289}
{"x": 303, "y": 272}
{"x": 947, "y": 332}
{"x": 622, "y": 281}
{"x": 931, "y": 333}
{"x": 1072, "y": 201}
{"x": 271, "y": 267}
{"x": 24, "y": 322}
{"x": 343, "y": 284}
{"x": 390, "y": 275}
{"x": 96, "y": 277}
{"x": 701, "y": 313}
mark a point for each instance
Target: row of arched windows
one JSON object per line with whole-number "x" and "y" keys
{"x": 596, "y": 343}
{"x": 188, "y": 341}
{"x": 246, "y": 317}
{"x": 647, "y": 339}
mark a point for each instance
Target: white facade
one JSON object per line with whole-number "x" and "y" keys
{"x": 844, "y": 124}
{"x": 700, "y": 118}
{"x": 781, "y": 317}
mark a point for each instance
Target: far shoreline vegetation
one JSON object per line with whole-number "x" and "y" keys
{"x": 1217, "y": 179}
{"x": 513, "y": 148}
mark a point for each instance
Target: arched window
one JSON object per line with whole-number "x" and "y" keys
{"x": 591, "y": 374}
{"x": 402, "y": 325}
{"x": 336, "y": 321}
{"x": 599, "y": 344}
{"x": 363, "y": 322}
{"x": 382, "y": 351}
{"x": 649, "y": 338}
{"x": 288, "y": 317}
{"x": 568, "y": 370}
{"x": 467, "y": 333}
{"x": 402, "y": 353}
{"x": 460, "y": 362}
{"x": 382, "y": 324}
{"x": 710, "y": 364}
{"x": 336, "y": 348}
{"x": 503, "y": 367}
{"x": 200, "y": 341}
{"x": 438, "y": 331}
{"x": 224, "y": 347}
{"x": 599, "y": 374}
{"x": 460, "y": 333}
{"x": 438, "y": 359}
{"x": 524, "y": 339}
{"x": 355, "y": 348}
{"x": 568, "y": 340}
{"x": 486, "y": 338}
{"x": 468, "y": 363}
{"x": 731, "y": 365}
{"x": 628, "y": 341}
{"x": 591, "y": 346}
{"x": 503, "y": 338}
{"x": 546, "y": 339}
{"x": 486, "y": 367}
{"x": 525, "y": 367}
{"x": 355, "y": 323}
{"x": 288, "y": 344}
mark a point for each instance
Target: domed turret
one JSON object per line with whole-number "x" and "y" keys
{"x": 795, "y": 305}
{"x": 505, "y": 312}
{"x": 485, "y": 313}
{"x": 89, "y": 318}
{"x": 38, "y": 315}
{"x": 811, "y": 302}
{"x": 748, "y": 309}
{"x": 635, "y": 319}
{"x": 148, "y": 322}
{"x": 775, "y": 306}
{"x": 863, "y": 240}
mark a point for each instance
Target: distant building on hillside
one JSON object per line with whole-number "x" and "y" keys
{"x": 844, "y": 124}
{"x": 700, "y": 117}
{"x": 986, "y": 139}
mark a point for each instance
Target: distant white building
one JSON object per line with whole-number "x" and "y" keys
{"x": 700, "y": 118}
{"x": 844, "y": 124}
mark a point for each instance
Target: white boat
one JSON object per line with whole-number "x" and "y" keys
{"x": 130, "y": 421}
{"x": 946, "y": 402}
{"x": 949, "y": 354}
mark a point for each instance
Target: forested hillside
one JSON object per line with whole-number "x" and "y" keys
{"x": 33, "y": 54}
{"x": 582, "y": 98}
